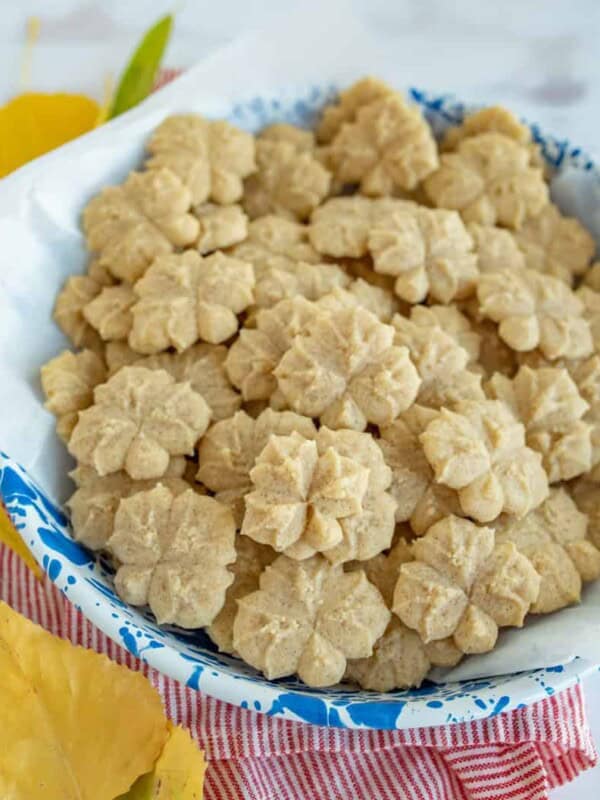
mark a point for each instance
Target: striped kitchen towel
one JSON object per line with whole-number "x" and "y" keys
{"x": 519, "y": 755}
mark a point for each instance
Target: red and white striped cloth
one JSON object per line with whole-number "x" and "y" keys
{"x": 519, "y": 755}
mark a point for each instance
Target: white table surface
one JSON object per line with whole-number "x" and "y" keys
{"x": 539, "y": 57}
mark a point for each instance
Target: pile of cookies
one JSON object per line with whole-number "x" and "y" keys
{"x": 336, "y": 393}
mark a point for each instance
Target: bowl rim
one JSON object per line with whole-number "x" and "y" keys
{"x": 71, "y": 568}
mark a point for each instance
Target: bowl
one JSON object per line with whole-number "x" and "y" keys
{"x": 189, "y": 656}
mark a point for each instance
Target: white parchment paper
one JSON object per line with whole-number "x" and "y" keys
{"x": 41, "y": 244}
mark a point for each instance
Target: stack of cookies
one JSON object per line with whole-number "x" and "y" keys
{"x": 335, "y": 394}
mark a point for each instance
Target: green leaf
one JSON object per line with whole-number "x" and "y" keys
{"x": 138, "y": 78}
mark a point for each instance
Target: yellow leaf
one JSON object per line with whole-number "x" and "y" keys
{"x": 10, "y": 537}
{"x": 73, "y": 725}
{"x": 178, "y": 773}
{"x": 34, "y": 123}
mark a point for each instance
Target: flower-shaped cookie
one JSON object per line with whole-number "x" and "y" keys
{"x": 128, "y": 226}
{"x": 400, "y": 658}
{"x": 184, "y": 298}
{"x": 549, "y": 405}
{"x": 341, "y": 226}
{"x": 553, "y": 538}
{"x": 257, "y": 351}
{"x": 383, "y": 571}
{"x": 110, "y": 312}
{"x": 371, "y": 531}
{"x": 220, "y": 226}
{"x": 323, "y": 495}
{"x": 344, "y": 110}
{"x": 68, "y": 382}
{"x": 453, "y": 322}
{"x": 301, "y": 138}
{"x": 203, "y": 365}
{"x": 360, "y": 293}
{"x": 250, "y": 560}
{"x": 387, "y": 147}
{"x": 556, "y": 245}
{"x": 441, "y": 363}
{"x": 345, "y": 369}
{"x": 535, "y": 310}
{"x": 428, "y": 251}
{"x": 78, "y": 291}
{"x": 490, "y": 180}
{"x": 462, "y": 584}
{"x": 230, "y": 447}
{"x": 173, "y": 552}
{"x": 285, "y": 263}
{"x": 479, "y": 449}
{"x": 276, "y": 243}
{"x": 311, "y": 281}
{"x": 308, "y": 617}
{"x": 139, "y": 419}
{"x": 493, "y": 119}
{"x": 210, "y": 158}
{"x": 419, "y": 499}
{"x": 289, "y": 181}
{"x": 496, "y": 248}
{"x": 496, "y": 119}
{"x": 399, "y": 661}
{"x": 94, "y": 504}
